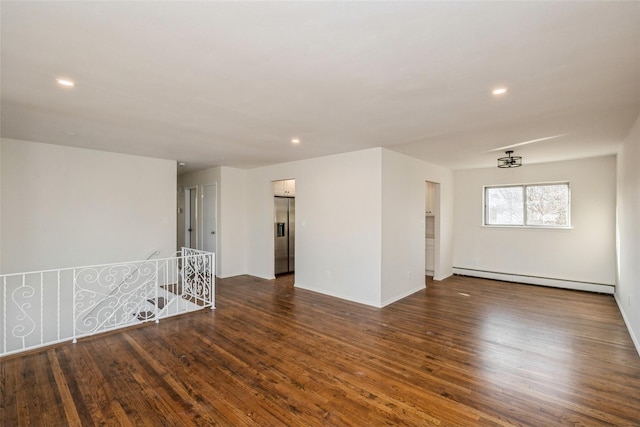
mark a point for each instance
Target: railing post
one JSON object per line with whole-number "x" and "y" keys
{"x": 75, "y": 290}
{"x": 24, "y": 285}
{"x": 157, "y": 273}
{"x": 41, "y": 308}
{"x": 4, "y": 314}
{"x": 167, "y": 265}
{"x": 212, "y": 286}
{"x": 58, "y": 306}
{"x": 180, "y": 288}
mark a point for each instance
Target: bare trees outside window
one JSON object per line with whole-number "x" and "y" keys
{"x": 504, "y": 205}
{"x": 545, "y": 205}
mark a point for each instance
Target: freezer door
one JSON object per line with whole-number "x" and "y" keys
{"x": 281, "y": 234}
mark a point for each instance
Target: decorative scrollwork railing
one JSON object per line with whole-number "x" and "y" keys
{"x": 196, "y": 275}
{"x": 47, "y": 307}
{"x": 108, "y": 297}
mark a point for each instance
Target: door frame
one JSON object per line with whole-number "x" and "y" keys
{"x": 273, "y": 195}
{"x": 436, "y": 227}
{"x": 187, "y": 217}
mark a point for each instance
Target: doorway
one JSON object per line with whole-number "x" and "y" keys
{"x": 191, "y": 217}
{"x": 284, "y": 213}
{"x": 431, "y": 227}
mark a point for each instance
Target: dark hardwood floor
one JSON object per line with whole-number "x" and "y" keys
{"x": 463, "y": 352}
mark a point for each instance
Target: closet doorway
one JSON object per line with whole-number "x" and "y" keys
{"x": 431, "y": 227}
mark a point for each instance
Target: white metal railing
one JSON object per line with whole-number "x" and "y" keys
{"x": 47, "y": 307}
{"x": 116, "y": 289}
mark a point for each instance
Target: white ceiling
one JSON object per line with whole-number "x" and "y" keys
{"x": 213, "y": 83}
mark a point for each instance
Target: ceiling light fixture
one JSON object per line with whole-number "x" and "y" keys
{"x": 65, "y": 82}
{"x": 295, "y": 140}
{"x": 499, "y": 91}
{"x": 509, "y": 161}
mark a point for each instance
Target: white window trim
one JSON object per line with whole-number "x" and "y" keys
{"x": 569, "y": 226}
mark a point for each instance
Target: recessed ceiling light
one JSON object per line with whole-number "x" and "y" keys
{"x": 295, "y": 140}
{"x": 66, "y": 82}
{"x": 499, "y": 91}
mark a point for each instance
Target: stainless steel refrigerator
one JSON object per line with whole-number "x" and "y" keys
{"x": 284, "y": 237}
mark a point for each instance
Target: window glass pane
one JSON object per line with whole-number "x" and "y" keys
{"x": 504, "y": 206}
{"x": 548, "y": 205}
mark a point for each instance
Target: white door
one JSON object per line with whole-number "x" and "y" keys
{"x": 209, "y": 218}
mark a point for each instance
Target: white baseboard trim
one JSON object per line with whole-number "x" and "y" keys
{"x": 442, "y": 277}
{"x": 226, "y": 276}
{"x": 336, "y": 295}
{"x": 541, "y": 281}
{"x": 633, "y": 335}
{"x": 402, "y": 295}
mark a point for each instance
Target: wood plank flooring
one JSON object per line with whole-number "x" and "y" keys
{"x": 462, "y": 352}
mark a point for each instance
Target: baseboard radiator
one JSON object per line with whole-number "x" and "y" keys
{"x": 533, "y": 280}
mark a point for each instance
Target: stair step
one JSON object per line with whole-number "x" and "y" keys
{"x": 176, "y": 289}
{"x": 145, "y": 315}
{"x": 162, "y": 301}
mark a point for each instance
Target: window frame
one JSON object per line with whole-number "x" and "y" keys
{"x": 524, "y": 205}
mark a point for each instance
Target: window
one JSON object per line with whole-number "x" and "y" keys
{"x": 534, "y": 205}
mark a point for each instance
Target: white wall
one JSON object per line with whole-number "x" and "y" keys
{"x": 403, "y": 225}
{"x": 338, "y": 223}
{"x": 233, "y": 212}
{"x": 585, "y": 253}
{"x": 359, "y": 223}
{"x": 628, "y": 232}
{"x": 65, "y": 206}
